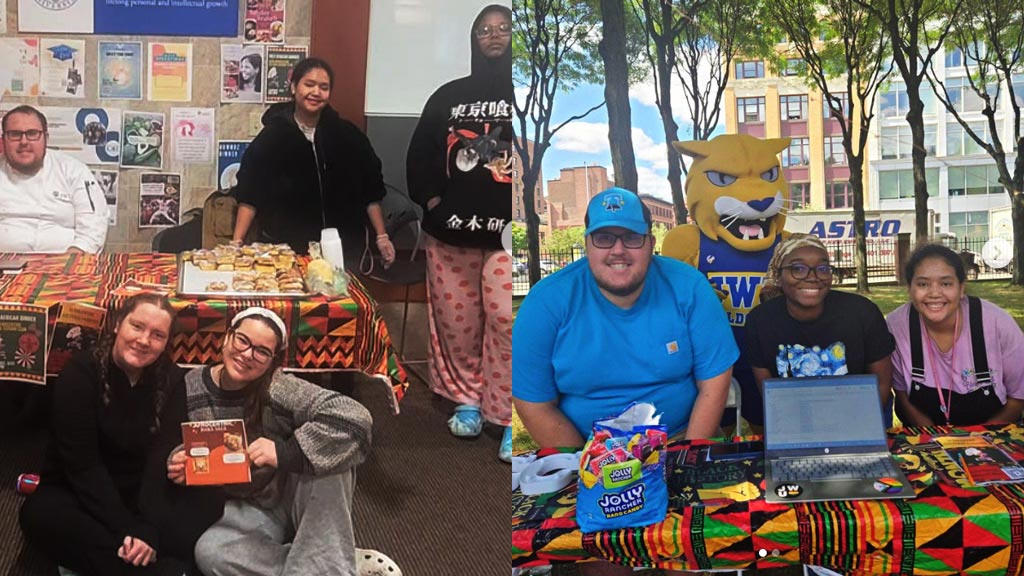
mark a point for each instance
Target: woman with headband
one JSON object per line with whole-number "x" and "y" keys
{"x": 295, "y": 517}
{"x": 812, "y": 330}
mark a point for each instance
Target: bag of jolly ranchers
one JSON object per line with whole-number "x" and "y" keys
{"x": 622, "y": 472}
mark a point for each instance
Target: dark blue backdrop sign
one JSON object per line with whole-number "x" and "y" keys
{"x": 166, "y": 17}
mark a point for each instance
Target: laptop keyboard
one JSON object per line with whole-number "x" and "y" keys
{"x": 833, "y": 468}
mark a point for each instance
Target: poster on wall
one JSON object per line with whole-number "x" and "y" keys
{"x": 264, "y": 21}
{"x": 62, "y": 68}
{"x": 280, "y": 61}
{"x": 241, "y": 73}
{"x": 159, "y": 199}
{"x": 170, "y": 72}
{"x": 107, "y": 180}
{"x": 229, "y": 160}
{"x": 142, "y": 140}
{"x": 120, "y": 70}
{"x": 192, "y": 135}
{"x": 141, "y": 17}
{"x": 23, "y": 342}
{"x": 92, "y": 135}
{"x": 19, "y": 66}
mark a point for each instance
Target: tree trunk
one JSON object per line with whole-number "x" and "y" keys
{"x": 530, "y": 176}
{"x": 1017, "y": 216}
{"x": 915, "y": 117}
{"x": 616, "y": 93}
{"x": 860, "y": 254}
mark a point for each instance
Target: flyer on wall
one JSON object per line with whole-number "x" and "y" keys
{"x": 62, "y": 68}
{"x": 280, "y": 62}
{"x": 107, "y": 180}
{"x": 142, "y": 140}
{"x": 229, "y": 159}
{"x": 170, "y": 72}
{"x": 241, "y": 73}
{"x": 192, "y": 135}
{"x": 120, "y": 70}
{"x": 264, "y": 21}
{"x": 19, "y": 66}
{"x": 23, "y": 342}
{"x": 159, "y": 200}
{"x": 91, "y": 135}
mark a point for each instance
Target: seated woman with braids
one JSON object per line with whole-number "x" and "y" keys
{"x": 98, "y": 510}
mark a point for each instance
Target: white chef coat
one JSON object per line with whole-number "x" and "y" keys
{"x": 58, "y": 207}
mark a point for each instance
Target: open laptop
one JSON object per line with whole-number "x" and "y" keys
{"x": 824, "y": 440}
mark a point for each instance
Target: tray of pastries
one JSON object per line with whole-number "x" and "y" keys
{"x": 253, "y": 270}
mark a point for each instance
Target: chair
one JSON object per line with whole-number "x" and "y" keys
{"x": 402, "y": 222}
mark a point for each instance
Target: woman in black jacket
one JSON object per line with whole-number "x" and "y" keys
{"x": 309, "y": 169}
{"x": 103, "y": 506}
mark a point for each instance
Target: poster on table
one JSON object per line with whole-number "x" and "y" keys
{"x": 280, "y": 62}
{"x": 142, "y": 140}
{"x": 23, "y": 342}
{"x": 92, "y": 135}
{"x": 170, "y": 72}
{"x": 62, "y": 68}
{"x": 77, "y": 328}
{"x": 192, "y": 135}
{"x": 264, "y": 21}
{"x": 120, "y": 70}
{"x": 107, "y": 180}
{"x": 139, "y": 17}
{"x": 159, "y": 200}
{"x": 229, "y": 160}
{"x": 241, "y": 73}
{"x": 19, "y": 67}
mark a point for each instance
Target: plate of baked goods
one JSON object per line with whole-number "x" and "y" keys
{"x": 250, "y": 271}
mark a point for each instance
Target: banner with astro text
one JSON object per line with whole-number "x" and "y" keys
{"x": 150, "y": 17}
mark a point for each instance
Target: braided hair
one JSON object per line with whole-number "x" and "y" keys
{"x": 258, "y": 391}
{"x": 158, "y": 371}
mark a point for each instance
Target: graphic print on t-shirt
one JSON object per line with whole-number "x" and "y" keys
{"x": 797, "y": 360}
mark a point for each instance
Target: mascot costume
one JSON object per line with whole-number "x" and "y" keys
{"x": 735, "y": 194}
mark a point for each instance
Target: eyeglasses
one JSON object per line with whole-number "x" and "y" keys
{"x": 802, "y": 271}
{"x": 17, "y": 135}
{"x": 607, "y": 239}
{"x": 503, "y": 29}
{"x": 241, "y": 343}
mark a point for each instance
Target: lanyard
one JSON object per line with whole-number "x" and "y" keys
{"x": 945, "y": 403}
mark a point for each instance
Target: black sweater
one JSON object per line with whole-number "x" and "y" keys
{"x": 296, "y": 193}
{"x": 461, "y": 152}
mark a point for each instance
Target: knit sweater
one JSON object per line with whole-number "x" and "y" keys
{"x": 315, "y": 431}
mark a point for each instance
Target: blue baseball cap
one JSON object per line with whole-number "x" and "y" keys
{"x": 617, "y": 207}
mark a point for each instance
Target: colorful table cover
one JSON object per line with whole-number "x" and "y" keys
{"x": 718, "y": 519}
{"x": 324, "y": 334}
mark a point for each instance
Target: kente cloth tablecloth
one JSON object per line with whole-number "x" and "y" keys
{"x": 324, "y": 334}
{"x": 718, "y": 519}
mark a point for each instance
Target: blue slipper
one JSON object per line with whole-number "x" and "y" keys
{"x": 505, "y": 451}
{"x": 466, "y": 422}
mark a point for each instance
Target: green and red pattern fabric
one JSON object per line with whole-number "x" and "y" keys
{"x": 945, "y": 530}
{"x": 324, "y": 334}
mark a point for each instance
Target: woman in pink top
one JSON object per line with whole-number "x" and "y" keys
{"x": 959, "y": 360}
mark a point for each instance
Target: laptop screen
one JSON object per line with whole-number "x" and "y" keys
{"x": 835, "y": 411}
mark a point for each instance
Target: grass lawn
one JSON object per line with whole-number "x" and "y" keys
{"x": 887, "y": 298}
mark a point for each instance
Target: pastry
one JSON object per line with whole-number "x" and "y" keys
{"x": 216, "y": 286}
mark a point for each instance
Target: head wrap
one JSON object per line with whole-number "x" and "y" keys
{"x": 263, "y": 313}
{"x": 785, "y": 248}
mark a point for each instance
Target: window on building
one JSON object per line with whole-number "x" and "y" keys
{"x": 749, "y": 110}
{"x": 844, "y": 105}
{"x": 896, "y": 142}
{"x": 954, "y": 57}
{"x": 895, "y": 184}
{"x": 960, "y": 143}
{"x": 799, "y": 195}
{"x": 793, "y": 107}
{"x": 750, "y": 69}
{"x": 1018, "y": 89}
{"x": 893, "y": 102}
{"x": 973, "y": 180}
{"x": 794, "y": 67}
{"x": 798, "y": 153}
{"x": 834, "y": 151}
{"x": 838, "y": 195}
{"x": 964, "y": 98}
{"x": 969, "y": 224}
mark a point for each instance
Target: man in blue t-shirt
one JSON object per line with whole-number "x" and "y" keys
{"x": 616, "y": 327}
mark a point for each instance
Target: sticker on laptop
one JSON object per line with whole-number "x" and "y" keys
{"x": 788, "y": 490}
{"x": 888, "y": 485}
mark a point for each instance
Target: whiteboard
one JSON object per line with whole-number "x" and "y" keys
{"x": 416, "y": 46}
